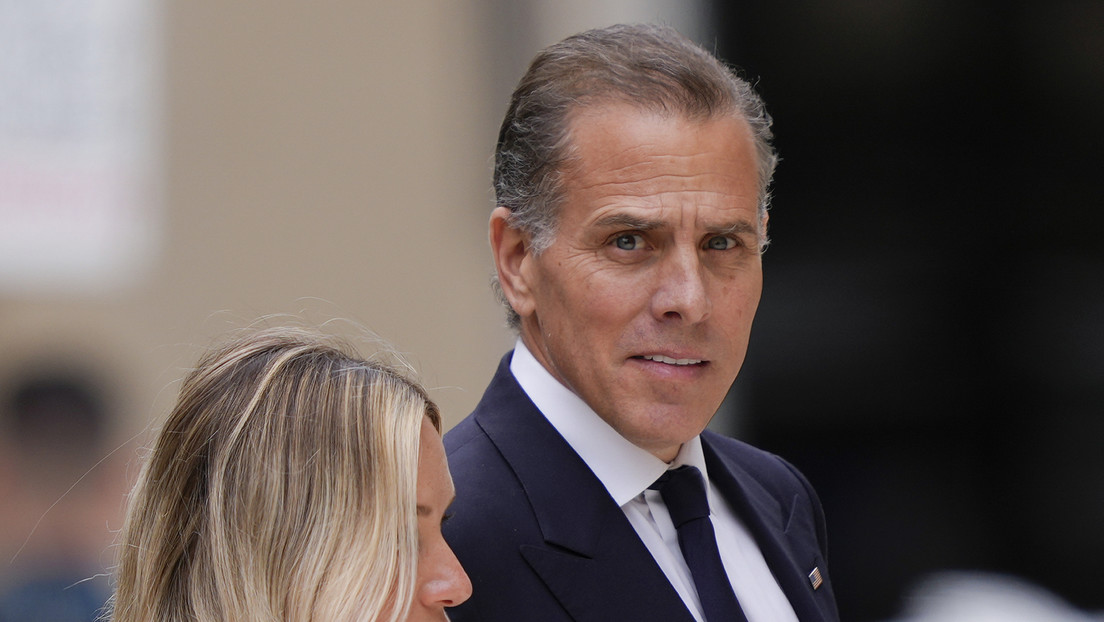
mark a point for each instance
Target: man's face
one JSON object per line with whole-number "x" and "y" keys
{"x": 643, "y": 303}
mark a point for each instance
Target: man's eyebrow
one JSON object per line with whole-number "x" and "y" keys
{"x": 735, "y": 228}
{"x": 626, "y": 221}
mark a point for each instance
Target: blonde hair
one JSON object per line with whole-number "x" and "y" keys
{"x": 282, "y": 487}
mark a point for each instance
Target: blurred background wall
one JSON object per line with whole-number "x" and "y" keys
{"x": 931, "y": 339}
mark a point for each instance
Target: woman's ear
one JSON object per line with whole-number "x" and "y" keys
{"x": 512, "y": 254}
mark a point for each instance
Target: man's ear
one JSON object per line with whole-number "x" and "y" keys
{"x": 512, "y": 256}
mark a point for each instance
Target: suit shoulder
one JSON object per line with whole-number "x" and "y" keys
{"x": 481, "y": 475}
{"x": 461, "y": 434}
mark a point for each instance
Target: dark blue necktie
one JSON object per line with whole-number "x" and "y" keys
{"x": 683, "y": 491}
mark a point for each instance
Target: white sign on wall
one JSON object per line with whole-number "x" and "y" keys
{"x": 79, "y": 159}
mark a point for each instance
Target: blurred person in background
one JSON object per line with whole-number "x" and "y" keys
{"x": 60, "y": 497}
{"x": 632, "y": 177}
{"x": 292, "y": 481}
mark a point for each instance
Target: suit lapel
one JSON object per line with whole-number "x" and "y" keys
{"x": 591, "y": 558}
{"x": 790, "y": 553}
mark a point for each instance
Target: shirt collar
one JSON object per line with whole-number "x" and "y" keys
{"x": 623, "y": 468}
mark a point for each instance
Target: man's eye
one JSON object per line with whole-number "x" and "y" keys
{"x": 629, "y": 241}
{"x": 720, "y": 243}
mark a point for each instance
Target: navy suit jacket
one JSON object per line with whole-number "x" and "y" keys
{"x": 542, "y": 539}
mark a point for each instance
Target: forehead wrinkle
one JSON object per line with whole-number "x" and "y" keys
{"x": 642, "y": 193}
{"x": 644, "y": 154}
{"x": 625, "y": 181}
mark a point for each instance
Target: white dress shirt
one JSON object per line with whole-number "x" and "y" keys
{"x": 627, "y": 470}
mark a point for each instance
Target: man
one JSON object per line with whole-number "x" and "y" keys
{"x": 632, "y": 175}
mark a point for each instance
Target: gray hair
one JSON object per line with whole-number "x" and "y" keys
{"x": 653, "y": 67}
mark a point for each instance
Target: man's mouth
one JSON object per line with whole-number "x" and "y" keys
{"x": 659, "y": 358}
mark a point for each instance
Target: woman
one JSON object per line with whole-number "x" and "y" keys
{"x": 292, "y": 481}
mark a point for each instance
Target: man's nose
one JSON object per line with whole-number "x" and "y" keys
{"x": 681, "y": 291}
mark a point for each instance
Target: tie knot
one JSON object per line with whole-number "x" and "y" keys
{"x": 683, "y": 492}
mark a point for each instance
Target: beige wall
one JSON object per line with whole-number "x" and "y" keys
{"x": 325, "y": 160}
{"x": 328, "y": 160}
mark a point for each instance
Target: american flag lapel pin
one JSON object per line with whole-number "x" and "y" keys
{"x": 815, "y": 579}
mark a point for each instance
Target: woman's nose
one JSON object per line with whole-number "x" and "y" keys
{"x": 451, "y": 585}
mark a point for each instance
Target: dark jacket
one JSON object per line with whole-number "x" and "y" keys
{"x": 542, "y": 539}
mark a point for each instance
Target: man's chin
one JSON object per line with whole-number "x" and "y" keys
{"x": 665, "y": 442}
